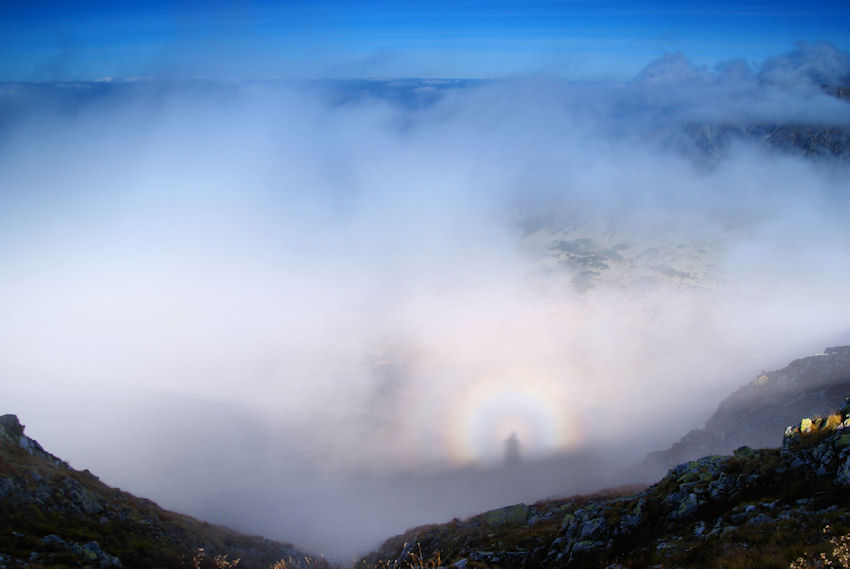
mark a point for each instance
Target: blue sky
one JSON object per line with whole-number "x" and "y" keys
{"x": 330, "y": 290}
{"x": 47, "y": 41}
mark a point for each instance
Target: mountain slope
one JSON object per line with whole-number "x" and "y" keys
{"x": 756, "y": 508}
{"x": 756, "y": 414}
{"x": 53, "y": 516}
{"x": 751, "y": 508}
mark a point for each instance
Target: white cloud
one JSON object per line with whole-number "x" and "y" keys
{"x": 349, "y": 285}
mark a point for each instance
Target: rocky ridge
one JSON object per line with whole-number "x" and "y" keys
{"x": 758, "y": 507}
{"x": 714, "y": 141}
{"x": 756, "y": 414}
{"x": 54, "y": 516}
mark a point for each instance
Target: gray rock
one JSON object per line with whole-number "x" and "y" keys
{"x": 583, "y": 547}
{"x": 842, "y": 476}
{"x": 11, "y": 427}
{"x": 760, "y": 519}
{"x": 53, "y": 538}
{"x": 699, "y": 529}
{"x": 687, "y": 507}
{"x": 8, "y": 487}
{"x": 593, "y": 529}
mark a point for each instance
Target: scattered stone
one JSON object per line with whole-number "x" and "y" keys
{"x": 760, "y": 519}
{"x": 699, "y": 529}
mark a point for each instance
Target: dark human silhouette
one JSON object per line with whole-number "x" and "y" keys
{"x": 512, "y": 456}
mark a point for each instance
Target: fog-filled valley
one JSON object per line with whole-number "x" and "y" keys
{"x": 327, "y": 311}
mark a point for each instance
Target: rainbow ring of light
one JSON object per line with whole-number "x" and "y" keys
{"x": 527, "y": 404}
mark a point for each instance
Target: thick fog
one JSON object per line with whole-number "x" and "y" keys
{"x": 318, "y": 310}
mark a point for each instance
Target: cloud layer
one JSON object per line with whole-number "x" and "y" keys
{"x": 297, "y": 290}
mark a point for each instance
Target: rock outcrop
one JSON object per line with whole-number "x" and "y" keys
{"x": 54, "y": 516}
{"x": 12, "y": 433}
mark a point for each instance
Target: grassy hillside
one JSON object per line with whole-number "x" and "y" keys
{"x": 757, "y": 508}
{"x": 54, "y": 516}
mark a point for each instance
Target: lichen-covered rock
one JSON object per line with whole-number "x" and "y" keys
{"x": 721, "y": 487}
{"x": 516, "y": 514}
{"x": 88, "y": 554}
{"x": 687, "y": 507}
{"x": 743, "y": 453}
{"x": 584, "y": 547}
{"x": 633, "y": 518}
{"x": 593, "y": 529}
{"x": 506, "y": 559}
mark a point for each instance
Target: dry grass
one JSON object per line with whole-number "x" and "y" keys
{"x": 201, "y": 561}
{"x": 416, "y": 560}
{"x": 838, "y": 558}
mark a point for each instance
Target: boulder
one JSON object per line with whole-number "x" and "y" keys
{"x": 11, "y": 427}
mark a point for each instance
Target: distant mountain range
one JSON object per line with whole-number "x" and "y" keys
{"x": 699, "y": 139}
{"x": 810, "y": 141}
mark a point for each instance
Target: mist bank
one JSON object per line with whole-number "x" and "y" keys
{"x": 344, "y": 282}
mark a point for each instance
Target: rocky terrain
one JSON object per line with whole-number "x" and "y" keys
{"x": 54, "y": 516}
{"x": 809, "y": 141}
{"x": 757, "y": 413}
{"x": 723, "y": 504}
{"x": 588, "y": 259}
{"x": 754, "y": 508}
{"x": 708, "y": 141}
